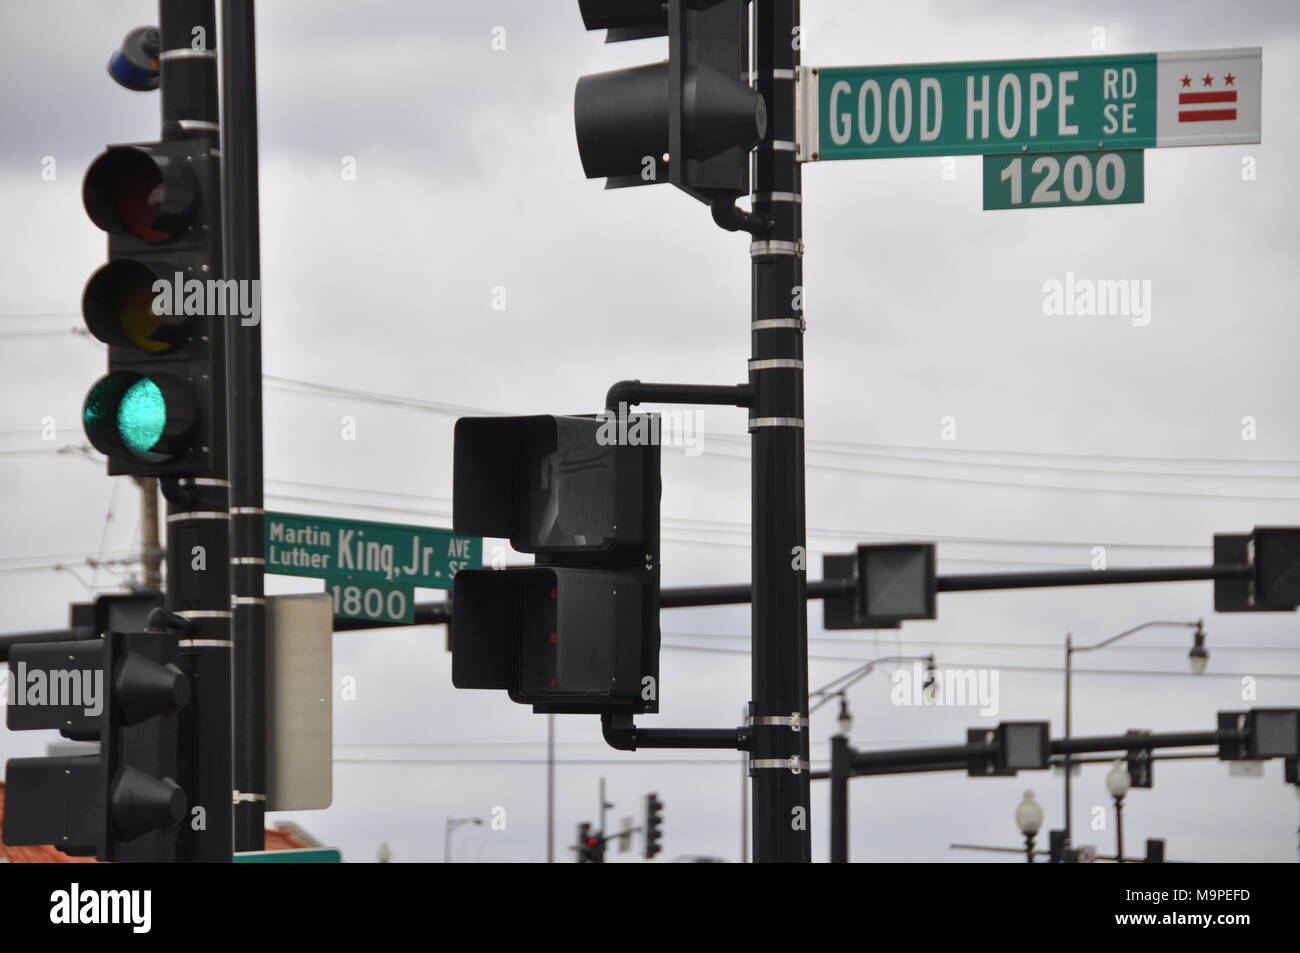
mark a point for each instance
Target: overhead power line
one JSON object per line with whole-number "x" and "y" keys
{"x": 295, "y": 385}
{"x": 736, "y": 526}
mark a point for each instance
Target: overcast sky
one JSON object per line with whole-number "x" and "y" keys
{"x": 1070, "y": 432}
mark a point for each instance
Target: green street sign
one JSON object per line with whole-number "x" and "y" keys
{"x": 369, "y": 599}
{"x": 389, "y": 553}
{"x": 1069, "y": 104}
{"x": 1063, "y": 178}
{"x": 303, "y": 855}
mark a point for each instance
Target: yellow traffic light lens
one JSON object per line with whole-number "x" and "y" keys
{"x": 135, "y": 315}
{"x": 119, "y": 307}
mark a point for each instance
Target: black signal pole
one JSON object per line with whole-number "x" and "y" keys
{"x": 244, "y": 410}
{"x": 198, "y": 586}
{"x": 779, "y": 756}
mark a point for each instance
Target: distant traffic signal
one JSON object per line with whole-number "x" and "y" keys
{"x": 121, "y": 690}
{"x": 654, "y": 821}
{"x": 1138, "y": 761}
{"x": 590, "y": 846}
{"x": 154, "y": 412}
{"x": 578, "y": 631}
{"x": 1272, "y": 553}
{"x": 695, "y": 112}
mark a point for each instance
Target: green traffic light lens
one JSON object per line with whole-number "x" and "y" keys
{"x": 128, "y": 414}
{"x": 142, "y": 417}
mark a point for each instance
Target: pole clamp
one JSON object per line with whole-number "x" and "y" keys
{"x": 794, "y": 764}
{"x": 794, "y": 721}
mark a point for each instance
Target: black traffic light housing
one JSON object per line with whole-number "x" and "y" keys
{"x": 121, "y": 804}
{"x": 579, "y": 630}
{"x": 591, "y": 845}
{"x": 654, "y": 821}
{"x": 1138, "y": 761}
{"x": 892, "y": 583}
{"x": 1273, "y": 555}
{"x": 696, "y": 109}
{"x": 114, "y": 612}
{"x": 1262, "y": 733}
{"x": 1017, "y": 746}
{"x": 158, "y": 410}
{"x": 845, "y": 611}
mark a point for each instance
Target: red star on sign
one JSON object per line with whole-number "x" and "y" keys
{"x": 1207, "y": 80}
{"x": 1229, "y": 78}
{"x": 1187, "y": 81}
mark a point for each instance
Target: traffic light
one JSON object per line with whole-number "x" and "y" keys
{"x": 122, "y": 690}
{"x": 654, "y": 822}
{"x": 1138, "y": 761}
{"x": 1261, "y": 733}
{"x": 591, "y": 846}
{"x": 694, "y": 112}
{"x": 1273, "y": 555}
{"x": 579, "y": 630}
{"x": 1016, "y": 746}
{"x": 845, "y": 611}
{"x": 114, "y": 612}
{"x": 154, "y": 304}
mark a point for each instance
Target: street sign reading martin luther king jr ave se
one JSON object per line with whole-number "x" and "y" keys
{"x": 371, "y": 569}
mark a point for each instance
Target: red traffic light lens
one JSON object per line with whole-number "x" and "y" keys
{"x": 139, "y": 200}
{"x": 145, "y": 192}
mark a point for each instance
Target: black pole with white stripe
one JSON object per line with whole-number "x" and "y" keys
{"x": 779, "y": 757}
{"x": 198, "y": 518}
{"x": 244, "y": 409}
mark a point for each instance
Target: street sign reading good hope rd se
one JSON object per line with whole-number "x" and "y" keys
{"x": 1071, "y": 104}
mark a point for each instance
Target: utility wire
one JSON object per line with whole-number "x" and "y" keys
{"x": 733, "y": 526}
{"x": 446, "y": 514}
{"x": 295, "y": 385}
{"x": 1008, "y": 668}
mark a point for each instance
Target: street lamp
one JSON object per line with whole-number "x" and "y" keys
{"x": 1029, "y": 818}
{"x": 836, "y": 687}
{"x": 452, "y": 824}
{"x": 1197, "y": 658}
{"x": 845, "y": 720}
{"x": 1118, "y": 782}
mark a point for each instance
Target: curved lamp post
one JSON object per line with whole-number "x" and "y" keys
{"x": 1196, "y": 658}
{"x": 452, "y": 824}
